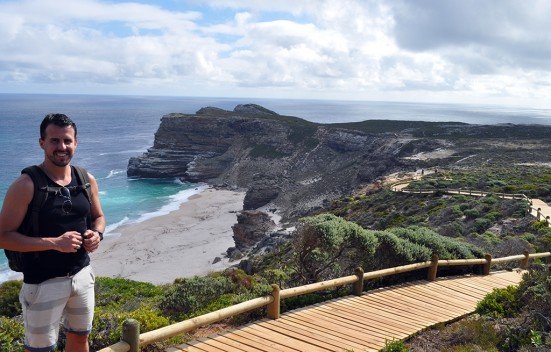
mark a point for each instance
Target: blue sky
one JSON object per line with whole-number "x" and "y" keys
{"x": 477, "y": 52}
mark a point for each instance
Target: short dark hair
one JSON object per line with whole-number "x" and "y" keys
{"x": 60, "y": 120}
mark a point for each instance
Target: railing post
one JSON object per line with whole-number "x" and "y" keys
{"x": 433, "y": 269}
{"x": 524, "y": 263}
{"x": 274, "y": 307}
{"x": 131, "y": 334}
{"x": 538, "y": 212}
{"x": 358, "y": 287}
{"x": 487, "y": 265}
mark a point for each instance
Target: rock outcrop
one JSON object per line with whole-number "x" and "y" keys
{"x": 252, "y": 226}
{"x": 283, "y": 162}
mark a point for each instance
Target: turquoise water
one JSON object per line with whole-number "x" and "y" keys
{"x": 111, "y": 129}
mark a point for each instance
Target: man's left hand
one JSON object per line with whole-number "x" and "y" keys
{"x": 91, "y": 240}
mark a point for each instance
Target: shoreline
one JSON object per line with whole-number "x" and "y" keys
{"x": 182, "y": 243}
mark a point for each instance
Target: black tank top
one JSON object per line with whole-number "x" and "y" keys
{"x": 54, "y": 221}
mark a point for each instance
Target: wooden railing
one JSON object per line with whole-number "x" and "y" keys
{"x": 539, "y": 215}
{"x": 132, "y": 339}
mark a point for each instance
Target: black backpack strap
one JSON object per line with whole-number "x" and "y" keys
{"x": 83, "y": 181}
{"x": 39, "y": 196}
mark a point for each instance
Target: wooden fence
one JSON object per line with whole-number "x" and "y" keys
{"x": 132, "y": 339}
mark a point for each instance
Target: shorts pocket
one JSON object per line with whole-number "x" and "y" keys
{"x": 92, "y": 276}
{"x": 29, "y": 294}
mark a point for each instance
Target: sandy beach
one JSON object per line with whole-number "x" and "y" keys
{"x": 182, "y": 243}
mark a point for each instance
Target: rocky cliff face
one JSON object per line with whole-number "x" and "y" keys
{"x": 284, "y": 162}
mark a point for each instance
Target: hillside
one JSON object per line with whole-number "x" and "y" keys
{"x": 293, "y": 166}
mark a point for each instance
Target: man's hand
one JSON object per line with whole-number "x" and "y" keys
{"x": 69, "y": 242}
{"x": 91, "y": 240}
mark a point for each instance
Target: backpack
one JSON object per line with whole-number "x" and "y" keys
{"x": 29, "y": 226}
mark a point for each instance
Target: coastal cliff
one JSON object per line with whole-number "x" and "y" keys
{"x": 283, "y": 162}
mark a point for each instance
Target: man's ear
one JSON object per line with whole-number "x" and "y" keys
{"x": 41, "y": 142}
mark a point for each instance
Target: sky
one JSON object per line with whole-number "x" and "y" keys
{"x": 494, "y": 52}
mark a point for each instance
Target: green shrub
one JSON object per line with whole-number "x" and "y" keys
{"x": 394, "y": 251}
{"x": 394, "y": 346}
{"x": 107, "y": 325}
{"x": 501, "y": 302}
{"x": 444, "y": 247}
{"x": 199, "y": 295}
{"x": 474, "y": 335}
{"x": 480, "y": 225}
{"x": 9, "y": 298}
{"x": 123, "y": 293}
{"x": 11, "y": 335}
{"x": 188, "y": 295}
{"x": 471, "y": 213}
{"x": 326, "y": 246}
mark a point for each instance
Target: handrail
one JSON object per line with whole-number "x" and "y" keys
{"x": 134, "y": 339}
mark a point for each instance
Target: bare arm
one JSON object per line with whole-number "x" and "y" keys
{"x": 18, "y": 198}
{"x": 92, "y": 238}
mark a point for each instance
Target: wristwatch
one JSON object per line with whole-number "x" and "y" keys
{"x": 100, "y": 234}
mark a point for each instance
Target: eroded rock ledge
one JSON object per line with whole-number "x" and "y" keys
{"x": 283, "y": 162}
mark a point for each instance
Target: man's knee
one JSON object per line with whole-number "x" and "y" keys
{"x": 76, "y": 341}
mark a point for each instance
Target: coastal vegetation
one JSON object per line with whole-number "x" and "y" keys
{"x": 374, "y": 230}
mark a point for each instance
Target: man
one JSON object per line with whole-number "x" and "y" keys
{"x": 57, "y": 279}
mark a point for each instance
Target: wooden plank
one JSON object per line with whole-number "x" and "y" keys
{"x": 338, "y": 330}
{"x": 205, "y": 347}
{"x": 482, "y": 282}
{"x": 422, "y": 308}
{"x": 476, "y": 292}
{"x": 373, "y": 320}
{"x": 459, "y": 301}
{"x": 268, "y": 345}
{"x": 329, "y": 335}
{"x": 501, "y": 281}
{"x": 375, "y": 334}
{"x": 369, "y": 312}
{"x": 458, "y": 292}
{"x": 401, "y": 311}
{"x": 245, "y": 347}
{"x": 315, "y": 334}
{"x": 219, "y": 346}
{"x": 190, "y": 348}
{"x": 405, "y": 311}
{"x": 284, "y": 339}
{"x": 395, "y": 297}
{"x": 379, "y": 321}
{"x": 442, "y": 305}
{"x": 371, "y": 325}
{"x": 461, "y": 294}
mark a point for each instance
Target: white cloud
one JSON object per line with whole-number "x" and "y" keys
{"x": 415, "y": 49}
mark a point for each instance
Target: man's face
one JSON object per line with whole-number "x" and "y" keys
{"x": 59, "y": 144}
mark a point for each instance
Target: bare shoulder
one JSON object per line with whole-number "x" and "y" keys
{"x": 23, "y": 183}
{"x": 91, "y": 178}
{"x": 22, "y": 189}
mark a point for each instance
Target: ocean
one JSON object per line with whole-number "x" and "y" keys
{"x": 111, "y": 129}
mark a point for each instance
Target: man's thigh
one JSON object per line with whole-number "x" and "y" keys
{"x": 43, "y": 306}
{"x": 79, "y": 311}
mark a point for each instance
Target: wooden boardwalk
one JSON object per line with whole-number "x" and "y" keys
{"x": 360, "y": 323}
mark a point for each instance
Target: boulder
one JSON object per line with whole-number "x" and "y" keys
{"x": 252, "y": 226}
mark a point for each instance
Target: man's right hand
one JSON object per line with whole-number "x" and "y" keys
{"x": 69, "y": 242}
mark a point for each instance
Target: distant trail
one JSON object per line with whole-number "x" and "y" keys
{"x": 538, "y": 208}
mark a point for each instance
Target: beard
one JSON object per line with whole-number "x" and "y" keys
{"x": 60, "y": 162}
